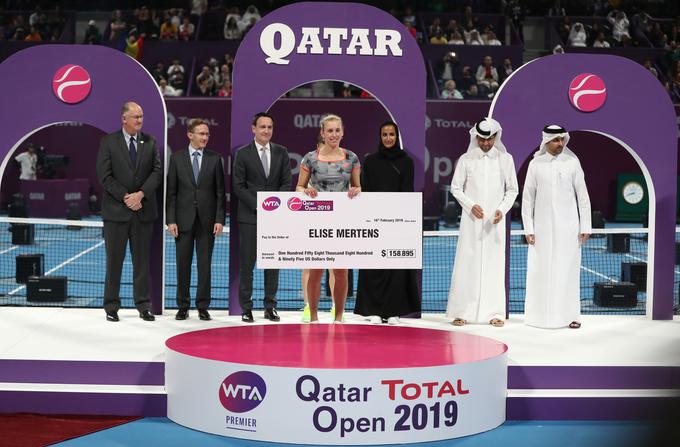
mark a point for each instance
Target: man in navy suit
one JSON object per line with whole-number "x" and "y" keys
{"x": 258, "y": 166}
{"x": 195, "y": 212}
{"x": 129, "y": 169}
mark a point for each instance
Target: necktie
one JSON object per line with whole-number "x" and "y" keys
{"x": 133, "y": 152}
{"x": 265, "y": 162}
{"x": 194, "y": 164}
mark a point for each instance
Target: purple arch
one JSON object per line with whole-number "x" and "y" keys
{"x": 396, "y": 80}
{"x": 30, "y": 104}
{"x": 637, "y": 114}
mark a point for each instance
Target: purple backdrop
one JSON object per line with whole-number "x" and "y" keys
{"x": 396, "y": 78}
{"x": 30, "y": 104}
{"x": 642, "y": 118}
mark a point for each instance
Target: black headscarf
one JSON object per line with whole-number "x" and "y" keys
{"x": 395, "y": 151}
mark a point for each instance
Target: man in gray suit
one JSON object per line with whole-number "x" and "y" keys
{"x": 195, "y": 212}
{"x": 258, "y": 166}
{"x": 129, "y": 169}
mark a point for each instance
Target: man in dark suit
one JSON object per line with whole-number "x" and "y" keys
{"x": 195, "y": 212}
{"x": 129, "y": 169}
{"x": 258, "y": 166}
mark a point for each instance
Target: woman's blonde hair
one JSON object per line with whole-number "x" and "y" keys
{"x": 330, "y": 117}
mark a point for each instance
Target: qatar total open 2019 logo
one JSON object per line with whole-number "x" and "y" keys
{"x": 71, "y": 84}
{"x": 242, "y": 391}
{"x": 587, "y": 92}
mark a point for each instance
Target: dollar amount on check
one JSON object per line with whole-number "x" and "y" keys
{"x": 371, "y": 231}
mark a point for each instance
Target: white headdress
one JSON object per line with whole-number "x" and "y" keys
{"x": 550, "y": 133}
{"x": 486, "y": 128}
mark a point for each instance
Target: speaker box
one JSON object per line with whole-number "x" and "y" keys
{"x": 46, "y": 288}
{"x": 22, "y": 234}
{"x": 430, "y": 223}
{"x": 635, "y": 272}
{"x": 596, "y": 219}
{"x": 73, "y": 213}
{"x": 29, "y": 265}
{"x": 622, "y": 294}
{"x": 618, "y": 243}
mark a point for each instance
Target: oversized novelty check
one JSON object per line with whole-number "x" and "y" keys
{"x": 371, "y": 231}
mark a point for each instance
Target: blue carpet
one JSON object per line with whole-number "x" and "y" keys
{"x": 152, "y": 432}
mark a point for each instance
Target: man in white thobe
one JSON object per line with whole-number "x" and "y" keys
{"x": 485, "y": 185}
{"x": 29, "y": 162}
{"x": 556, "y": 217}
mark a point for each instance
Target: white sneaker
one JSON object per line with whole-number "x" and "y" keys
{"x": 393, "y": 320}
{"x": 338, "y": 322}
{"x": 314, "y": 322}
{"x": 374, "y": 319}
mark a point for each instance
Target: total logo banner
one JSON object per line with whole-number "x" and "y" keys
{"x": 326, "y": 406}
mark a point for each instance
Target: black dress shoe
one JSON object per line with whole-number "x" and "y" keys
{"x": 247, "y": 317}
{"x": 112, "y": 316}
{"x": 204, "y": 315}
{"x": 182, "y": 314}
{"x": 146, "y": 315}
{"x": 271, "y": 315}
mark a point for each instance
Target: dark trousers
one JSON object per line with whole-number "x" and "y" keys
{"x": 184, "y": 247}
{"x": 116, "y": 237}
{"x": 247, "y": 255}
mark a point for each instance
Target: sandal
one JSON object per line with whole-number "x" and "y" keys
{"x": 458, "y": 322}
{"x": 574, "y": 325}
{"x": 497, "y": 322}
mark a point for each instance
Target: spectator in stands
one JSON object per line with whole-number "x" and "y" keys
{"x": 515, "y": 11}
{"x": 410, "y": 29}
{"x": 475, "y": 38}
{"x": 205, "y": 82}
{"x": 674, "y": 89}
{"x": 558, "y": 49}
{"x": 159, "y": 71}
{"x": 176, "y": 74}
{"x": 450, "y": 91}
{"x": 434, "y": 27}
{"x": 231, "y": 28}
{"x": 249, "y": 18}
{"x": 449, "y": 67}
{"x": 224, "y": 75}
{"x": 487, "y": 77}
{"x": 556, "y": 10}
{"x": 169, "y": 30}
{"x": 438, "y": 38}
{"x": 145, "y": 24}
{"x": 92, "y": 34}
{"x": 600, "y": 42}
{"x": 198, "y": 7}
{"x": 456, "y": 39}
{"x": 656, "y": 36}
{"x": 466, "y": 79}
{"x": 409, "y": 17}
{"x": 175, "y": 17}
{"x": 505, "y": 70}
{"x": 640, "y": 25}
{"x": 452, "y": 27}
{"x": 648, "y": 65}
{"x": 168, "y": 90}
{"x": 225, "y": 89}
{"x": 117, "y": 25}
{"x": 620, "y": 25}
{"x": 467, "y": 15}
{"x": 564, "y": 28}
{"x": 186, "y": 30}
{"x": 472, "y": 92}
{"x": 133, "y": 46}
{"x": 490, "y": 39}
{"x": 577, "y": 35}
{"x": 33, "y": 35}
{"x": 229, "y": 62}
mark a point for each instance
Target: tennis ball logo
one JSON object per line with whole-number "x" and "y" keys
{"x": 587, "y": 92}
{"x": 71, "y": 84}
{"x": 294, "y": 204}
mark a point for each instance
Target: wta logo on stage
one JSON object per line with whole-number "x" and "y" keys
{"x": 271, "y": 203}
{"x": 587, "y": 92}
{"x": 242, "y": 391}
{"x": 71, "y": 84}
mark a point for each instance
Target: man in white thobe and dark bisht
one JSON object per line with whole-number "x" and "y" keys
{"x": 556, "y": 217}
{"x": 485, "y": 185}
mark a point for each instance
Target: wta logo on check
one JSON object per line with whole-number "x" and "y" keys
{"x": 271, "y": 203}
{"x": 297, "y": 204}
{"x": 242, "y": 391}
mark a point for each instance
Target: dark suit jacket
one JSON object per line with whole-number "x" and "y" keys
{"x": 185, "y": 198}
{"x": 248, "y": 177}
{"x": 118, "y": 177}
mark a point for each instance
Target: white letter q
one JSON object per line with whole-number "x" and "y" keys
{"x": 267, "y": 43}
